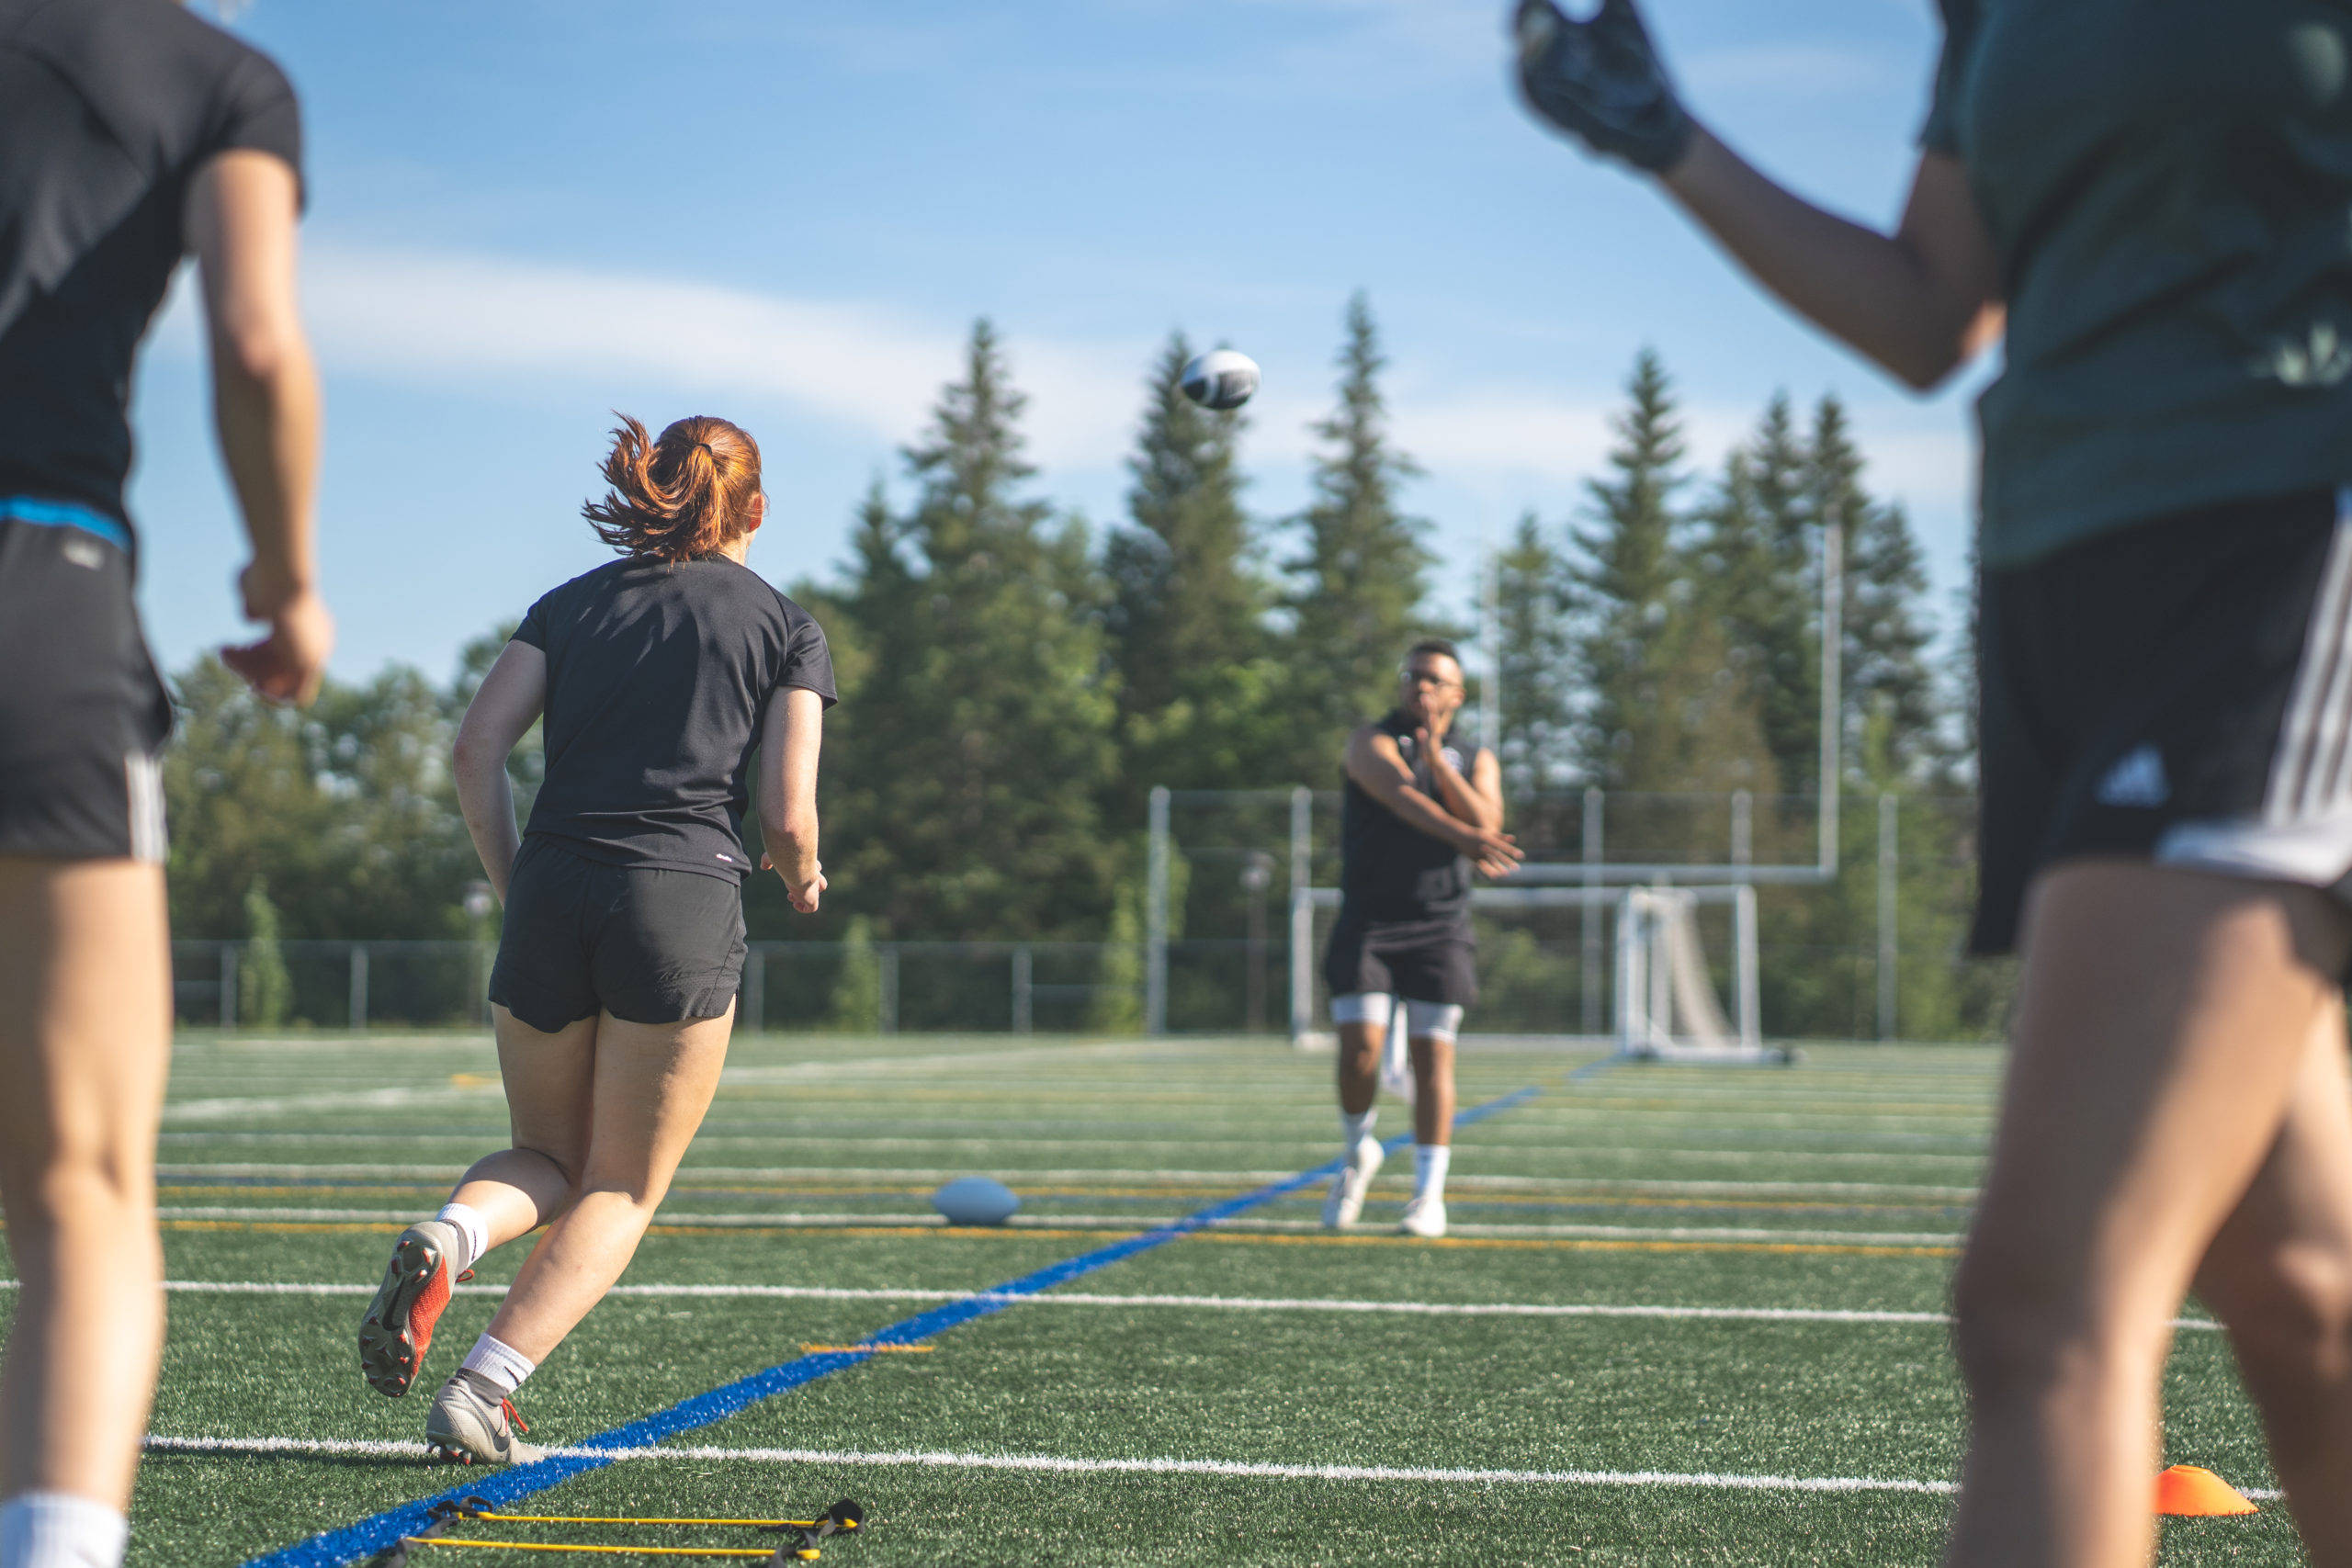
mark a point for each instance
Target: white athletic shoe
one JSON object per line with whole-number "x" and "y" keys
{"x": 1345, "y": 1200}
{"x": 1424, "y": 1217}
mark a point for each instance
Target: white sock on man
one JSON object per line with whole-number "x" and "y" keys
{"x": 57, "y": 1530}
{"x": 471, "y": 1227}
{"x": 1430, "y": 1162}
{"x": 1354, "y": 1130}
{"x": 499, "y": 1362}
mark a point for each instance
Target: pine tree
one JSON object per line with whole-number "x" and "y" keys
{"x": 974, "y": 747}
{"x": 1758, "y": 542}
{"x": 1535, "y": 657}
{"x": 1360, "y": 579}
{"x": 1887, "y": 632}
{"x": 1198, "y": 684}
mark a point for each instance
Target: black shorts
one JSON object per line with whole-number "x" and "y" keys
{"x": 2180, "y": 691}
{"x": 82, "y": 713}
{"x": 646, "y": 945}
{"x": 1415, "y": 960}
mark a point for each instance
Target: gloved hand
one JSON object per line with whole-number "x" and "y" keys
{"x": 1601, "y": 82}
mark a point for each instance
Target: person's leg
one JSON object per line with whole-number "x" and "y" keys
{"x": 1430, "y": 1042}
{"x": 85, "y": 1020}
{"x": 550, "y": 1082}
{"x": 1362, "y": 1019}
{"x": 1432, "y": 1090}
{"x": 653, "y": 1082}
{"x": 2160, "y": 1033}
{"x": 2279, "y": 1276}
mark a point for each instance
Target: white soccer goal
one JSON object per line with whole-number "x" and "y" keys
{"x": 1666, "y": 1008}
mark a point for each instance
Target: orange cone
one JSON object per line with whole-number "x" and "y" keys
{"x": 2184, "y": 1491}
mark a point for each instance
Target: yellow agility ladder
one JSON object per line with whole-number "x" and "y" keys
{"x": 843, "y": 1517}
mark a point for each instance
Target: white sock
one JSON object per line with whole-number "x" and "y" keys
{"x": 499, "y": 1362}
{"x": 1354, "y": 1130}
{"x": 471, "y": 1229}
{"x": 1429, "y": 1161}
{"x": 57, "y": 1530}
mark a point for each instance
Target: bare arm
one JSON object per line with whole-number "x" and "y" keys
{"x": 1378, "y": 769}
{"x": 788, "y": 747}
{"x": 1921, "y": 303}
{"x": 240, "y": 221}
{"x": 505, "y": 705}
{"x": 1478, "y": 799}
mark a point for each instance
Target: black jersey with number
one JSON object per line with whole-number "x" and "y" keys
{"x": 659, "y": 676}
{"x": 109, "y": 109}
{"x": 1391, "y": 871}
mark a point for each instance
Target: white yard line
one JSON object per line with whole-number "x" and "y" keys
{"x": 1205, "y": 1303}
{"x": 1062, "y": 1465}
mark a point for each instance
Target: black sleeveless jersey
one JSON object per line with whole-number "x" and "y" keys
{"x": 1391, "y": 871}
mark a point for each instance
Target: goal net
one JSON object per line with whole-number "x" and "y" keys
{"x": 1666, "y": 1007}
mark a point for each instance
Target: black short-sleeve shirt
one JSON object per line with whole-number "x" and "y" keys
{"x": 1391, "y": 872}
{"x": 109, "y": 109}
{"x": 659, "y": 676}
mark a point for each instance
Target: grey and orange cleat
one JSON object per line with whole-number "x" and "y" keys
{"x": 397, "y": 1328}
{"x": 472, "y": 1423}
{"x": 1345, "y": 1200}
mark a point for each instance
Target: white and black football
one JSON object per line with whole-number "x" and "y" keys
{"x": 1221, "y": 378}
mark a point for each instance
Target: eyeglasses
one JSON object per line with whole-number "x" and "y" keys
{"x": 1430, "y": 678}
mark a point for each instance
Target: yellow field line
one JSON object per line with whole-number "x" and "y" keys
{"x": 1229, "y": 1238}
{"x": 763, "y": 1553}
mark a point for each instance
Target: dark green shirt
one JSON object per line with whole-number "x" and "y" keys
{"x": 2169, "y": 184}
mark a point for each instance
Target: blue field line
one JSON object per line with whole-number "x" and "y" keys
{"x": 369, "y": 1535}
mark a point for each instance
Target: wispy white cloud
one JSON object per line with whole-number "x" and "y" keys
{"x": 435, "y": 316}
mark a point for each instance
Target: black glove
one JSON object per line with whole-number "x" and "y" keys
{"x": 1600, "y": 81}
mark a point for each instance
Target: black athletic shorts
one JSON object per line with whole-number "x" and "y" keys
{"x": 1421, "y": 961}
{"x": 2178, "y": 691}
{"x": 82, "y": 713}
{"x": 646, "y": 945}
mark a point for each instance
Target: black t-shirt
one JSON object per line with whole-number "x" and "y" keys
{"x": 109, "y": 109}
{"x": 1389, "y": 870}
{"x": 659, "y": 677}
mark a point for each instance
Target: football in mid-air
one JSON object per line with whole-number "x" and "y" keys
{"x": 976, "y": 1201}
{"x": 1221, "y": 378}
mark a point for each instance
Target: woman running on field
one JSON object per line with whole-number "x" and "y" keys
{"x": 667, "y": 678}
{"x": 2154, "y": 201}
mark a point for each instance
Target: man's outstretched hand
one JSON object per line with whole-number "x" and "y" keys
{"x": 287, "y": 665}
{"x": 1601, "y": 82}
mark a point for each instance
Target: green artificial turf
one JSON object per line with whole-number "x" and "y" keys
{"x": 1840, "y": 1184}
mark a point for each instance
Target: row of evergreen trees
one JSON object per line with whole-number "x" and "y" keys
{"x": 1013, "y": 686}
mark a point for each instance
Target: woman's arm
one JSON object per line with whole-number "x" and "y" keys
{"x": 1921, "y": 303}
{"x": 788, "y": 747}
{"x": 240, "y": 221}
{"x": 505, "y": 705}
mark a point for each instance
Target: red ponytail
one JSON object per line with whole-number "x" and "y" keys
{"x": 680, "y": 497}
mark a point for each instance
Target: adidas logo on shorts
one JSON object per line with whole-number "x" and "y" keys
{"x": 2137, "y": 779}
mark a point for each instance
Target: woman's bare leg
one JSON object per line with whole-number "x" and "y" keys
{"x": 652, "y": 1084}
{"x": 86, "y": 1029}
{"x": 2159, "y": 1039}
{"x": 551, "y": 1083}
{"x": 2279, "y": 1275}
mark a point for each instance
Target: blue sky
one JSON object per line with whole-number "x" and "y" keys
{"x": 526, "y": 214}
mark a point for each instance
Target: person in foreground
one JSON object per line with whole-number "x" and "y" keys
{"x": 667, "y": 679}
{"x": 1417, "y": 815}
{"x": 2159, "y": 215}
{"x": 131, "y": 133}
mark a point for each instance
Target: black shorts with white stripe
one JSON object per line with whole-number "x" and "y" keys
{"x": 82, "y": 713}
{"x": 2178, "y": 691}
